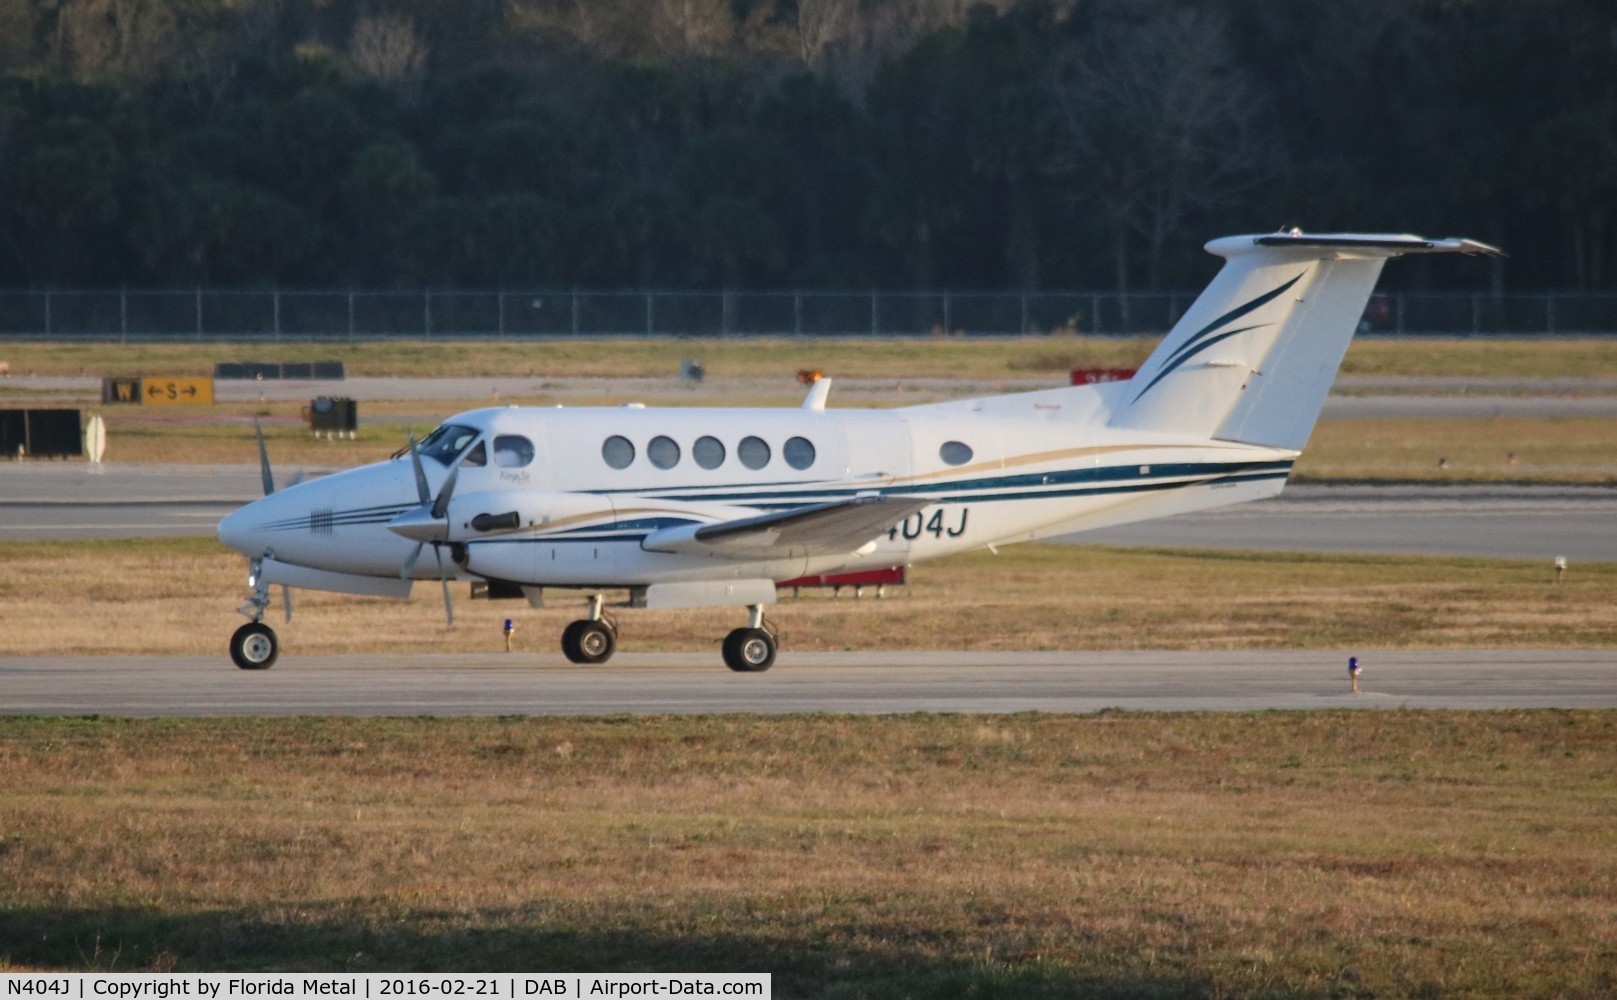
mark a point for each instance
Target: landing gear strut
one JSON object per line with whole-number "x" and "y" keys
{"x": 254, "y": 645}
{"x": 751, "y": 649}
{"x": 593, "y": 639}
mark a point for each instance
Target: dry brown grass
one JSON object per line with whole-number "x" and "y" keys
{"x": 1549, "y": 450}
{"x": 778, "y": 357}
{"x": 1291, "y": 855}
{"x": 179, "y": 596}
{"x": 1560, "y": 449}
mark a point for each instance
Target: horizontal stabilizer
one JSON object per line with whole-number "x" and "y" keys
{"x": 835, "y": 528}
{"x": 1382, "y": 245}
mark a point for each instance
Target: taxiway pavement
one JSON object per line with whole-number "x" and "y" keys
{"x": 861, "y": 683}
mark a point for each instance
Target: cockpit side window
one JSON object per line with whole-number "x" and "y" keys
{"x": 477, "y": 457}
{"x": 445, "y": 443}
{"x": 512, "y": 451}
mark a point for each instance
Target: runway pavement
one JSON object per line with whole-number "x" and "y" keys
{"x": 864, "y": 683}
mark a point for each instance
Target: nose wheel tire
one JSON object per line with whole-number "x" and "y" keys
{"x": 589, "y": 641}
{"x": 749, "y": 650}
{"x": 254, "y": 646}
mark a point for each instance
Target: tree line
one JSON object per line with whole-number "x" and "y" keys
{"x": 792, "y": 143}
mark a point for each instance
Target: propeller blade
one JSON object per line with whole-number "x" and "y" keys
{"x": 297, "y": 477}
{"x": 441, "y": 506}
{"x": 286, "y": 602}
{"x": 263, "y": 461}
{"x": 424, "y": 494}
{"x": 449, "y": 607}
{"x": 409, "y": 564}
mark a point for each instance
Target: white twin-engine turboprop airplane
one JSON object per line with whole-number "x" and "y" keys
{"x": 708, "y": 507}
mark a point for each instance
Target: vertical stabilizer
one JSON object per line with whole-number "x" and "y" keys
{"x": 1254, "y": 357}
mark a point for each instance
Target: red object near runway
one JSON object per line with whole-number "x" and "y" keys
{"x": 868, "y": 578}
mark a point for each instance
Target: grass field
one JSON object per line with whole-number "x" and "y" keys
{"x": 1352, "y": 854}
{"x": 1501, "y": 449}
{"x": 1563, "y": 450}
{"x": 773, "y": 357}
{"x": 80, "y": 598}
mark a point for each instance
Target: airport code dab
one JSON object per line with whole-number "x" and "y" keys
{"x": 213, "y": 986}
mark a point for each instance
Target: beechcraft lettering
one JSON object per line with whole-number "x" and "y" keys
{"x": 682, "y": 508}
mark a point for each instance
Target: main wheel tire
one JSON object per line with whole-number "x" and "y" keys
{"x": 254, "y": 646}
{"x": 586, "y": 641}
{"x": 749, "y": 650}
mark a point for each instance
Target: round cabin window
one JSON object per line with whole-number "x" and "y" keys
{"x": 663, "y": 452}
{"x": 708, "y": 452}
{"x": 955, "y": 452}
{"x": 753, "y": 452}
{"x": 798, "y": 452}
{"x": 618, "y": 451}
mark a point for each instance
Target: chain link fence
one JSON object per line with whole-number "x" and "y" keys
{"x": 214, "y": 315}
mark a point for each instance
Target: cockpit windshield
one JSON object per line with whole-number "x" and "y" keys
{"x": 447, "y": 442}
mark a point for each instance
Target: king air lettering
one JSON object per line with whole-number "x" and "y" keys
{"x": 916, "y": 525}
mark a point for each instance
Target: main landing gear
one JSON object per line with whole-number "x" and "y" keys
{"x": 746, "y": 650}
{"x": 254, "y": 646}
{"x": 593, "y": 639}
{"x": 752, "y": 649}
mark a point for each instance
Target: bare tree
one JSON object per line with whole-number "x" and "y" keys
{"x": 133, "y": 39}
{"x": 1157, "y": 125}
{"x": 822, "y": 24}
{"x": 17, "y": 21}
{"x": 690, "y": 28}
{"x": 385, "y": 49}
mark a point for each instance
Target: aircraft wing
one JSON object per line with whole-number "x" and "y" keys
{"x": 835, "y": 528}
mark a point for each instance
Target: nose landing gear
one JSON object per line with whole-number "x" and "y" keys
{"x": 254, "y": 646}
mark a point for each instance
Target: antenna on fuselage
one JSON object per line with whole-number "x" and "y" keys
{"x": 819, "y": 388}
